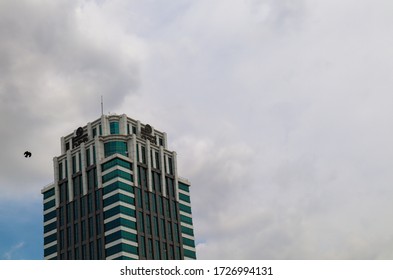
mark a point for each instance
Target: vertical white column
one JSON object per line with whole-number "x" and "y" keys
{"x": 123, "y": 125}
{"x": 149, "y": 179}
{"x": 138, "y": 128}
{"x": 69, "y": 176}
{"x": 153, "y": 155}
{"x": 89, "y": 131}
{"x": 134, "y": 164}
{"x": 163, "y": 181}
{"x": 98, "y": 155}
{"x": 62, "y": 145}
{"x": 174, "y": 162}
{"x": 56, "y": 180}
{"x": 165, "y": 141}
{"x": 104, "y": 125}
{"x": 84, "y": 175}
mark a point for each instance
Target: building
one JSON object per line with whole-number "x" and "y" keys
{"x": 117, "y": 195}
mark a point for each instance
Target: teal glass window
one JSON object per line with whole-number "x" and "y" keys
{"x": 73, "y": 165}
{"x": 117, "y": 173}
{"x": 115, "y": 147}
{"x": 142, "y": 246}
{"x": 140, "y": 222}
{"x": 60, "y": 171}
{"x": 158, "y": 251}
{"x": 187, "y": 231}
{"x": 114, "y": 127}
{"x": 184, "y": 208}
{"x": 184, "y": 187}
{"x": 155, "y": 225}
{"x": 115, "y": 162}
{"x": 163, "y": 228}
{"x": 184, "y": 197}
{"x": 88, "y": 157}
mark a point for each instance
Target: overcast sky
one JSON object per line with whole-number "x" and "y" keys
{"x": 280, "y": 112}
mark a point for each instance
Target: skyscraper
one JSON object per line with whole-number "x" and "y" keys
{"x": 117, "y": 195}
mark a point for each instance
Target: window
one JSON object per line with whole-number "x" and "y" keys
{"x": 163, "y": 228}
{"x": 73, "y": 165}
{"x": 153, "y": 203}
{"x": 83, "y": 225}
{"x": 147, "y": 201}
{"x": 156, "y": 178}
{"x": 91, "y": 227}
{"x": 170, "y": 236}
{"x": 170, "y": 166}
{"x": 157, "y": 155}
{"x": 94, "y": 132}
{"x": 69, "y": 236}
{"x": 142, "y": 246}
{"x": 158, "y": 251}
{"x": 75, "y": 182}
{"x": 148, "y": 224}
{"x": 91, "y": 250}
{"x": 142, "y": 177}
{"x": 98, "y": 224}
{"x": 140, "y": 222}
{"x": 98, "y": 199}
{"x": 88, "y": 157}
{"x": 115, "y": 147}
{"x": 114, "y": 127}
{"x": 143, "y": 149}
{"x": 90, "y": 203}
{"x": 76, "y": 233}
{"x": 150, "y": 248}
{"x": 139, "y": 197}
{"x": 155, "y": 224}
{"x": 61, "y": 216}
{"x": 94, "y": 154}
{"x": 60, "y": 171}
{"x": 76, "y": 212}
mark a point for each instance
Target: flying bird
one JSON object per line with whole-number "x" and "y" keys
{"x": 27, "y": 154}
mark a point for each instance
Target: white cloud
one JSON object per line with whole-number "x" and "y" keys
{"x": 280, "y": 111}
{"x": 10, "y": 254}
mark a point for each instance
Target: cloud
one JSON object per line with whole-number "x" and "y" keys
{"x": 280, "y": 111}
{"x": 10, "y": 254}
{"x": 57, "y": 59}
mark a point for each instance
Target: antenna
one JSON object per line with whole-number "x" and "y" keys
{"x": 102, "y": 105}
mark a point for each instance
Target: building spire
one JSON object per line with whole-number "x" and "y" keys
{"x": 102, "y": 106}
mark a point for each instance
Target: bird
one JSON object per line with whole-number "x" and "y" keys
{"x": 27, "y": 154}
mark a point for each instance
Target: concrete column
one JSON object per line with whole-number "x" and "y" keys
{"x": 62, "y": 145}
{"x": 134, "y": 164}
{"x": 174, "y": 162}
{"x": 69, "y": 176}
{"x": 154, "y": 163}
{"x": 165, "y": 140}
{"x": 89, "y": 131}
{"x": 98, "y": 155}
{"x": 84, "y": 175}
{"x": 148, "y": 160}
{"x": 56, "y": 180}
{"x": 104, "y": 125}
{"x": 123, "y": 125}
{"x": 163, "y": 181}
{"x": 138, "y": 128}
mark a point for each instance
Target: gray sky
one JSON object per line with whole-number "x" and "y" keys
{"x": 280, "y": 112}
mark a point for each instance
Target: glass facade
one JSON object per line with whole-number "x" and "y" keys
{"x": 122, "y": 200}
